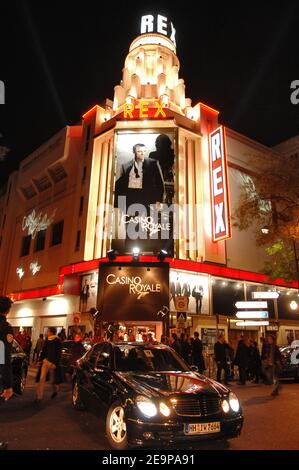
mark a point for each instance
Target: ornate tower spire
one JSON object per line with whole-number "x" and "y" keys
{"x": 151, "y": 68}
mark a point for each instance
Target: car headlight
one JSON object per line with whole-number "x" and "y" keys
{"x": 146, "y": 406}
{"x": 234, "y": 402}
{"x": 225, "y": 406}
{"x": 164, "y": 409}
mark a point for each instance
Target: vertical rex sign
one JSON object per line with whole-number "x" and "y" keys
{"x": 221, "y": 226}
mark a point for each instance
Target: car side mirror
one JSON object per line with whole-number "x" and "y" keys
{"x": 194, "y": 368}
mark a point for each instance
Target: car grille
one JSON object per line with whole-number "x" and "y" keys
{"x": 202, "y": 406}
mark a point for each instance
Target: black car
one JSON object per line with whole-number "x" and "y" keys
{"x": 148, "y": 395}
{"x": 290, "y": 362}
{"x": 19, "y": 362}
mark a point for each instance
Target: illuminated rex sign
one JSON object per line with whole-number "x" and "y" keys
{"x": 144, "y": 109}
{"x": 221, "y": 227}
{"x": 157, "y": 24}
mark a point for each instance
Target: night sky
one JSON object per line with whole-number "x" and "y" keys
{"x": 60, "y": 58}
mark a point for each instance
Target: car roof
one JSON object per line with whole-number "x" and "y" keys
{"x": 137, "y": 344}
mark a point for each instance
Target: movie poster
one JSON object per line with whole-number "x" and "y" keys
{"x": 133, "y": 293}
{"x": 89, "y": 291}
{"x": 189, "y": 292}
{"x": 144, "y": 192}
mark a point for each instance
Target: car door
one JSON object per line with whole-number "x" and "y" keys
{"x": 101, "y": 378}
{"x": 85, "y": 372}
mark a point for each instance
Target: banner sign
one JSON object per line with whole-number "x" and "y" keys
{"x": 144, "y": 109}
{"x": 221, "y": 225}
{"x": 133, "y": 292}
{"x": 157, "y": 24}
{"x": 144, "y": 192}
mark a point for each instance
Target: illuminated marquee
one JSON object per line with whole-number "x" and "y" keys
{"x": 221, "y": 228}
{"x": 158, "y": 24}
{"x": 144, "y": 109}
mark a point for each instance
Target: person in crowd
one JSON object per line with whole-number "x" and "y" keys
{"x": 164, "y": 339}
{"x": 272, "y": 363}
{"x": 38, "y": 348}
{"x": 131, "y": 337}
{"x": 230, "y": 354}
{"x": 175, "y": 343}
{"x": 197, "y": 356}
{"x": 221, "y": 352}
{"x": 255, "y": 362}
{"x": 62, "y": 335}
{"x": 6, "y": 336}
{"x": 76, "y": 352}
{"x": 21, "y": 339}
{"x": 28, "y": 346}
{"x": 242, "y": 359}
{"x": 144, "y": 338}
{"x": 50, "y": 363}
{"x": 150, "y": 338}
{"x": 185, "y": 347}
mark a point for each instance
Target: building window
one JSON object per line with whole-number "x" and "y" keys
{"x": 81, "y": 206}
{"x": 84, "y": 174}
{"x": 57, "y": 233}
{"x": 225, "y": 295}
{"x": 87, "y": 138}
{"x": 40, "y": 240}
{"x": 77, "y": 247}
{"x": 26, "y": 241}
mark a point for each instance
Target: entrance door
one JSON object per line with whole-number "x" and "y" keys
{"x": 133, "y": 331}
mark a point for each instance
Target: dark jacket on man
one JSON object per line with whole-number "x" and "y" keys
{"x": 52, "y": 350}
{"x": 6, "y": 336}
{"x": 176, "y": 345}
{"x": 221, "y": 351}
{"x": 242, "y": 355}
{"x": 186, "y": 350}
{"x": 152, "y": 184}
{"x": 197, "y": 356}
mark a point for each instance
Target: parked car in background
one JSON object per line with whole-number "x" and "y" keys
{"x": 290, "y": 361}
{"x": 146, "y": 394}
{"x": 19, "y": 363}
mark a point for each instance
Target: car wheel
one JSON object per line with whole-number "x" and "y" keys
{"x": 116, "y": 427}
{"x": 76, "y": 397}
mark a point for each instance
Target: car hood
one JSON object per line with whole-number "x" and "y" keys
{"x": 157, "y": 384}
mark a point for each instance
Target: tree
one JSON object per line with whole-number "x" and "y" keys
{"x": 270, "y": 199}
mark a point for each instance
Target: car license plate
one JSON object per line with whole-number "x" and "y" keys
{"x": 202, "y": 428}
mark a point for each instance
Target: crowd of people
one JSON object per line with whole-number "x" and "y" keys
{"x": 253, "y": 364}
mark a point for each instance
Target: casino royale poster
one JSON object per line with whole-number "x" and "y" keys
{"x": 133, "y": 292}
{"x": 144, "y": 192}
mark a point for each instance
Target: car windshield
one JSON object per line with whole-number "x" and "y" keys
{"x": 143, "y": 358}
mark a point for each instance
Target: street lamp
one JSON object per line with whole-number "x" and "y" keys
{"x": 293, "y": 305}
{"x": 136, "y": 253}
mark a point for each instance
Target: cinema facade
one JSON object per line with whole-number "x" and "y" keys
{"x": 146, "y": 170}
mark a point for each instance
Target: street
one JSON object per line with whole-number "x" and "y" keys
{"x": 270, "y": 423}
